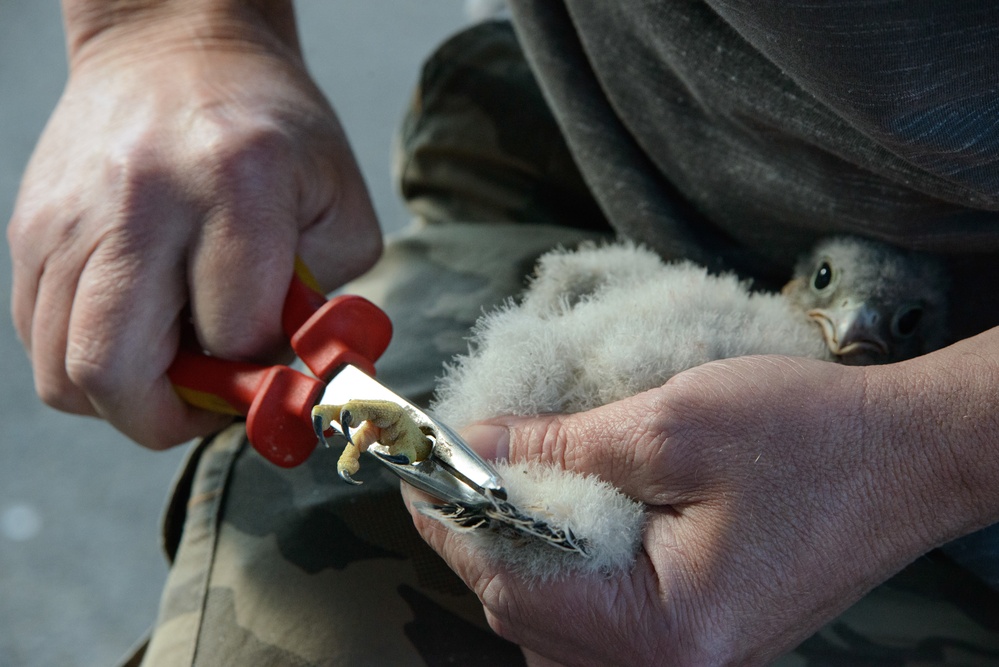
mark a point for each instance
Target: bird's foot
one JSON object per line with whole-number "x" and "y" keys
{"x": 383, "y": 422}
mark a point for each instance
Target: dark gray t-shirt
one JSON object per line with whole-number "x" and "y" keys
{"x": 738, "y": 132}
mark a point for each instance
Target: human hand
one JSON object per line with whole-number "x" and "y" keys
{"x": 774, "y": 503}
{"x": 188, "y": 161}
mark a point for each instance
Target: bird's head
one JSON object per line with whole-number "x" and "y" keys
{"x": 874, "y": 303}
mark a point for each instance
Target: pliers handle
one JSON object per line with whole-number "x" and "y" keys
{"x": 277, "y": 400}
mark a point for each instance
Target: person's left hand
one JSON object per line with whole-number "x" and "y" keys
{"x": 772, "y": 506}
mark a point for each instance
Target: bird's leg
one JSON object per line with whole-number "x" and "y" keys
{"x": 384, "y": 422}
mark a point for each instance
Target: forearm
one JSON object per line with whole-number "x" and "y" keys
{"x": 93, "y": 25}
{"x": 938, "y": 417}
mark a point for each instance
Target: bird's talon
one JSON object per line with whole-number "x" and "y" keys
{"x": 317, "y": 425}
{"x": 346, "y": 421}
{"x": 397, "y": 459}
{"x": 345, "y": 476}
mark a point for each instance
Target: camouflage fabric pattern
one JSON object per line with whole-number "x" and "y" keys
{"x": 293, "y": 567}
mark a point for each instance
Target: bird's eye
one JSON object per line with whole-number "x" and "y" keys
{"x": 823, "y": 277}
{"x": 906, "y": 321}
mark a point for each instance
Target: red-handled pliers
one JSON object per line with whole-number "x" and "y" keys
{"x": 338, "y": 340}
{"x": 278, "y": 400}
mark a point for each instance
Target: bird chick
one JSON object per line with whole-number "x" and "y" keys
{"x": 603, "y": 323}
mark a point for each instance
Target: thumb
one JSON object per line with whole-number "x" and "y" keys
{"x": 625, "y": 443}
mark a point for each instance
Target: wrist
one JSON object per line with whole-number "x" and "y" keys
{"x": 108, "y": 28}
{"x": 937, "y": 417}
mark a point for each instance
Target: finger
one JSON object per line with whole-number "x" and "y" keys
{"x": 42, "y": 310}
{"x": 44, "y": 276}
{"x": 243, "y": 258}
{"x": 269, "y": 201}
{"x": 576, "y": 620}
{"x": 340, "y": 236}
{"x": 26, "y": 272}
{"x": 123, "y": 334}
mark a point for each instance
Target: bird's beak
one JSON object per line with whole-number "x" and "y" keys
{"x": 851, "y": 331}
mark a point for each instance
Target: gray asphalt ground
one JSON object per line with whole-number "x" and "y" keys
{"x": 80, "y": 567}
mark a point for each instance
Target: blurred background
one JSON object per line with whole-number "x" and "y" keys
{"x": 80, "y": 565}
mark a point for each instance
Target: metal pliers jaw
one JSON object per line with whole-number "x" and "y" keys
{"x": 453, "y": 472}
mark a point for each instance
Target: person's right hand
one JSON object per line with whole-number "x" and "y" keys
{"x": 187, "y": 163}
{"x": 778, "y": 492}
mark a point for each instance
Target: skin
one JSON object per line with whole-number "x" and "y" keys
{"x": 780, "y": 491}
{"x": 141, "y": 199}
{"x": 191, "y": 158}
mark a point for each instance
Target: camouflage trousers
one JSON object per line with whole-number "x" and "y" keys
{"x": 293, "y": 567}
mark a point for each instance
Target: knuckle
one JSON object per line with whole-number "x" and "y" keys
{"x": 93, "y": 366}
{"x": 93, "y": 378}
{"x": 243, "y": 156}
{"x": 137, "y": 183}
{"x": 245, "y": 183}
{"x": 51, "y": 394}
{"x": 18, "y": 235}
{"x": 129, "y": 165}
{"x": 553, "y": 437}
{"x": 32, "y": 214}
{"x": 59, "y": 393}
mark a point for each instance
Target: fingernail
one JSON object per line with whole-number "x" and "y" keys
{"x": 488, "y": 440}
